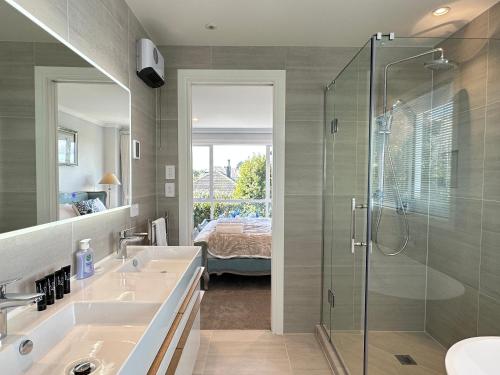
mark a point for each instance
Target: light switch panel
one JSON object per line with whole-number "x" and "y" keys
{"x": 170, "y": 172}
{"x": 169, "y": 189}
{"x": 134, "y": 210}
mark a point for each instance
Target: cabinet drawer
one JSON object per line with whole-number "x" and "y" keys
{"x": 168, "y": 355}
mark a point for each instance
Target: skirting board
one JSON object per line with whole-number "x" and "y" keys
{"x": 330, "y": 353}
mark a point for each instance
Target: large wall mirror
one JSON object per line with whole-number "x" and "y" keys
{"x": 64, "y": 130}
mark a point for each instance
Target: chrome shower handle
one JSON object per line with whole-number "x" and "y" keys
{"x": 354, "y": 206}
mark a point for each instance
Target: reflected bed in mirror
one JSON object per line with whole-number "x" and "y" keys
{"x": 64, "y": 130}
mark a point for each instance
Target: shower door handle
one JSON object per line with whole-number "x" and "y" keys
{"x": 355, "y": 206}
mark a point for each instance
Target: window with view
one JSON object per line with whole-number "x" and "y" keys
{"x": 231, "y": 181}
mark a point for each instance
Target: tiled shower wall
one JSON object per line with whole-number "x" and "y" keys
{"x": 307, "y": 71}
{"x": 447, "y": 281}
{"x": 105, "y": 31}
{"x": 463, "y": 282}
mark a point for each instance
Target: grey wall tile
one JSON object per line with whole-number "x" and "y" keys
{"x": 56, "y": 54}
{"x": 143, "y": 169}
{"x": 494, "y": 71}
{"x": 53, "y": 13}
{"x": 494, "y": 21}
{"x": 303, "y": 163}
{"x": 186, "y": 57}
{"x": 452, "y": 318}
{"x": 454, "y": 241}
{"x": 118, "y": 10}
{"x": 103, "y": 242}
{"x": 248, "y": 57}
{"x": 35, "y": 254}
{"x": 464, "y": 86}
{"x": 492, "y": 153}
{"x": 304, "y": 94}
{"x": 143, "y": 96}
{"x": 319, "y": 57}
{"x": 466, "y": 137}
{"x": 477, "y": 28}
{"x": 302, "y": 298}
{"x": 302, "y": 230}
{"x": 396, "y": 292}
{"x": 490, "y": 256}
{"x": 168, "y": 95}
{"x": 17, "y": 79}
{"x": 489, "y": 311}
{"x": 342, "y": 315}
{"x": 92, "y": 30}
{"x": 390, "y": 313}
{"x": 18, "y": 210}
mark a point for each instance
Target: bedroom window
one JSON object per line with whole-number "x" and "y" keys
{"x": 231, "y": 180}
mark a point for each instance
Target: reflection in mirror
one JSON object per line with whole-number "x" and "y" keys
{"x": 64, "y": 130}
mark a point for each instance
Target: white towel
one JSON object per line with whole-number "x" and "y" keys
{"x": 229, "y": 228}
{"x": 160, "y": 232}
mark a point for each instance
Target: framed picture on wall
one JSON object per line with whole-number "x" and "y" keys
{"x": 67, "y": 146}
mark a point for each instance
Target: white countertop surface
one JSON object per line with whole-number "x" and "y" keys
{"x": 110, "y": 339}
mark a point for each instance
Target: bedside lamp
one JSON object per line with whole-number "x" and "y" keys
{"x": 109, "y": 179}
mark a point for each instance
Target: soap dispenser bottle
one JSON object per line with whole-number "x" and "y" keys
{"x": 84, "y": 260}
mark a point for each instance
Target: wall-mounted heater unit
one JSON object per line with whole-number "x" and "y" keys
{"x": 150, "y": 63}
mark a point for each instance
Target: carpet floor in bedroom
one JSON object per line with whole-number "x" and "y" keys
{"x": 237, "y": 302}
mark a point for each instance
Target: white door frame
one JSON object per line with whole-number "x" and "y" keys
{"x": 277, "y": 78}
{"x": 46, "y": 123}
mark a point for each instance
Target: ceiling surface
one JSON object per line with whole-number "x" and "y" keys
{"x": 298, "y": 22}
{"x": 104, "y": 104}
{"x": 232, "y": 107}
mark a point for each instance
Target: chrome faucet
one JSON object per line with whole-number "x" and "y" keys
{"x": 8, "y": 300}
{"x": 127, "y": 239}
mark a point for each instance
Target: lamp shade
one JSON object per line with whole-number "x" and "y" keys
{"x": 109, "y": 179}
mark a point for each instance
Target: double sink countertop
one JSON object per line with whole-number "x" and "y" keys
{"x": 115, "y": 319}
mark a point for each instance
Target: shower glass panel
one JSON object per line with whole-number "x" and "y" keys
{"x": 345, "y": 208}
{"x": 417, "y": 141}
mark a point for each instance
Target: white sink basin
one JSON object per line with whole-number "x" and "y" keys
{"x": 477, "y": 355}
{"x": 105, "y": 333}
{"x": 160, "y": 259}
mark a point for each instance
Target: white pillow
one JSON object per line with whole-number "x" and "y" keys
{"x": 97, "y": 205}
{"x": 66, "y": 211}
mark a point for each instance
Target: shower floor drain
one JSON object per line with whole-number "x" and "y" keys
{"x": 405, "y": 359}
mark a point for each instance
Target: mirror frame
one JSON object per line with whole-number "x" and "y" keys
{"x": 68, "y": 45}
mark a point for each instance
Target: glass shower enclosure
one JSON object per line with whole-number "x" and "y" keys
{"x": 411, "y": 203}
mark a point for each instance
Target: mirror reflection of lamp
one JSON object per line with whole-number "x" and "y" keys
{"x": 109, "y": 179}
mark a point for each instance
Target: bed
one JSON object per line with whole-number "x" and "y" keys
{"x": 67, "y": 202}
{"x": 239, "y": 246}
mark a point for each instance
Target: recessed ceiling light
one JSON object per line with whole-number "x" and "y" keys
{"x": 441, "y": 11}
{"x": 195, "y": 119}
{"x": 210, "y": 26}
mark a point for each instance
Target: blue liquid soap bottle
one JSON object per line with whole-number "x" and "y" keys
{"x": 84, "y": 260}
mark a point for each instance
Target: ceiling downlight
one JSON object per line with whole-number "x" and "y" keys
{"x": 441, "y": 11}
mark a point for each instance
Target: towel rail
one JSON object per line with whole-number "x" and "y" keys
{"x": 152, "y": 230}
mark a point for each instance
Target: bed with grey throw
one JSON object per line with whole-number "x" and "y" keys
{"x": 241, "y": 246}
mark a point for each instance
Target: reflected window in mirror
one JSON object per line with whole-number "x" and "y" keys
{"x": 67, "y": 146}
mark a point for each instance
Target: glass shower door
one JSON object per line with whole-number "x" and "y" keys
{"x": 346, "y": 193}
{"x": 327, "y": 214}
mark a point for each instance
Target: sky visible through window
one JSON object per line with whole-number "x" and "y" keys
{"x": 235, "y": 153}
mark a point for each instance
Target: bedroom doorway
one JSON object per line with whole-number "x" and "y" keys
{"x": 232, "y": 127}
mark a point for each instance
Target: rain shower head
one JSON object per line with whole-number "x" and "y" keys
{"x": 440, "y": 63}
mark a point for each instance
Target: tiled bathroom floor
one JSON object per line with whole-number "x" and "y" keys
{"x": 244, "y": 352}
{"x": 382, "y": 347}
